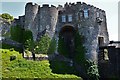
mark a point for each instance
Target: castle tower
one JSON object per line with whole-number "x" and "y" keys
{"x": 90, "y": 23}
{"x": 30, "y": 14}
{"x": 86, "y": 19}
{"x": 48, "y": 19}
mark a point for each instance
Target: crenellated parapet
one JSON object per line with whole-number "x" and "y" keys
{"x": 82, "y": 5}
{"x": 87, "y": 19}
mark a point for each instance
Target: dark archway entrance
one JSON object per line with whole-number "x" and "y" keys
{"x": 67, "y": 34}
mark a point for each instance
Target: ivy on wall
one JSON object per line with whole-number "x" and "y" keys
{"x": 62, "y": 48}
{"x": 16, "y": 33}
{"x": 79, "y": 52}
{"x": 20, "y": 35}
{"x": 79, "y": 49}
{"x": 52, "y": 46}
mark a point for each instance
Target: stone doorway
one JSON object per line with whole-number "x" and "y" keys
{"x": 67, "y": 34}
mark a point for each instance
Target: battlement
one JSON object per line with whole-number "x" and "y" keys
{"x": 45, "y": 6}
{"x": 83, "y": 5}
{"x": 31, "y": 4}
{"x": 85, "y": 18}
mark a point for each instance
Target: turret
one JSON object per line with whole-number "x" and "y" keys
{"x": 48, "y": 19}
{"x": 30, "y": 14}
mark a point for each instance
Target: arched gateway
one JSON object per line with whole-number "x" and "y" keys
{"x": 67, "y": 34}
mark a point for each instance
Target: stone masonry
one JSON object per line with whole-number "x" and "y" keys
{"x": 87, "y": 19}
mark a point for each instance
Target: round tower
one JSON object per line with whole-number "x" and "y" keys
{"x": 30, "y": 14}
{"x": 48, "y": 19}
{"x": 92, "y": 25}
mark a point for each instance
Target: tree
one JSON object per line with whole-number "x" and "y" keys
{"x": 27, "y": 34}
{"x": 30, "y": 45}
{"x": 43, "y": 44}
{"x": 7, "y": 16}
{"x": 20, "y": 35}
{"x": 16, "y": 33}
{"x": 40, "y": 47}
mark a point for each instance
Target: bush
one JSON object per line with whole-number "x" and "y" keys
{"x": 16, "y": 33}
{"x": 92, "y": 70}
{"x": 62, "y": 67}
{"x": 7, "y": 46}
{"x": 27, "y": 34}
{"x": 39, "y": 47}
{"x": 43, "y": 44}
{"x": 20, "y": 35}
{"x": 21, "y": 68}
{"x": 12, "y": 58}
{"x": 7, "y": 16}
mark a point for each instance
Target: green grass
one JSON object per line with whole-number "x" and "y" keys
{"x": 21, "y": 68}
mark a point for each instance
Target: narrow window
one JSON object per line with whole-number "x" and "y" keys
{"x": 98, "y": 15}
{"x": 86, "y": 13}
{"x": 78, "y": 16}
{"x": 101, "y": 41}
{"x": 70, "y": 18}
{"x": 81, "y": 14}
{"x": 63, "y": 18}
{"x": 106, "y": 54}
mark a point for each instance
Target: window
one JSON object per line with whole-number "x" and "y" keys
{"x": 77, "y": 16}
{"x": 101, "y": 41}
{"x": 106, "y": 54}
{"x": 63, "y": 18}
{"x": 86, "y": 13}
{"x": 69, "y": 18}
{"x": 98, "y": 15}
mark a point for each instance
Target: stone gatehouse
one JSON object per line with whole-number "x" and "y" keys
{"x": 88, "y": 20}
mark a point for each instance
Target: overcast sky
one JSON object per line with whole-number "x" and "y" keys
{"x": 110, "y": 6}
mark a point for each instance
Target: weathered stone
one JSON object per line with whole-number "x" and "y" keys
{"x": 87, "y": 19}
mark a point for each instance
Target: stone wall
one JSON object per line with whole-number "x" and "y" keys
{"x": 4, "y": 28}
{"x": 89, "y": 27}
{"x": 48, "y": 18}
{"x": 109, "y": 68}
